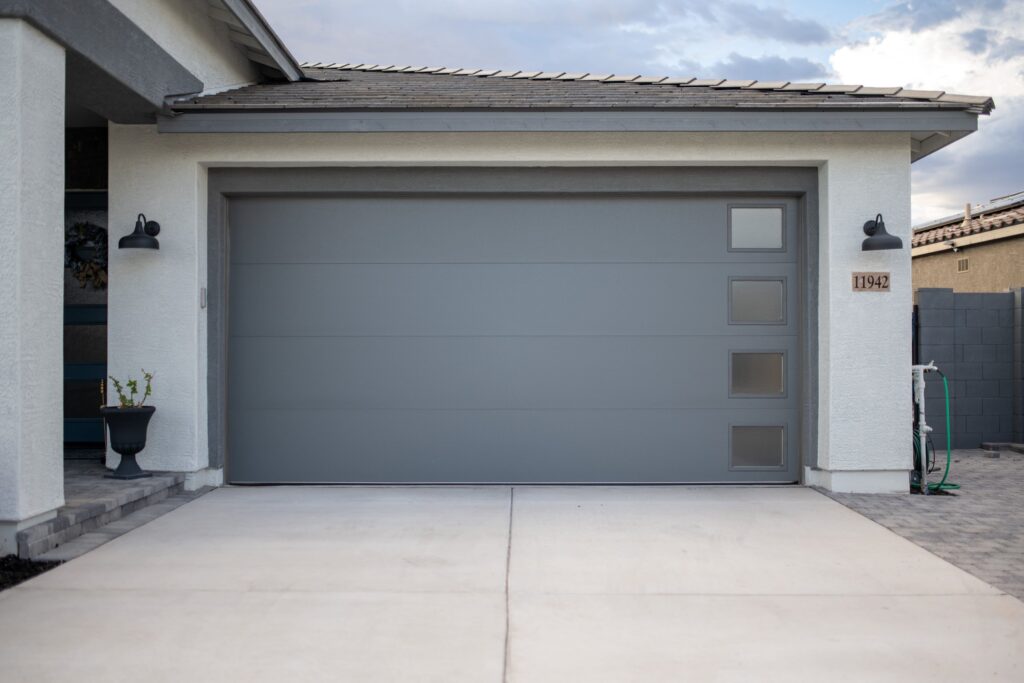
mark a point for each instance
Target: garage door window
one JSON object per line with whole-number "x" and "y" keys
{"x": 757, "y": 447}
{"x": 757, "y": 374}
{"x": 756, "y": 228}
{"x": 757, "y": 301}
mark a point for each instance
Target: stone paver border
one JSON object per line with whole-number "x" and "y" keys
{"x": 979, "y": 528}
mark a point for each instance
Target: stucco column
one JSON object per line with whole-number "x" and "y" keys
{"x": 155, "y": 318}
{"x": 31, "y": 278}
{"x": 864, "y": 428}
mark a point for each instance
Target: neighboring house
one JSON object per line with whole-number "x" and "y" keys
{"x": 980, "y": 250}
{"x": 386, "y": 273}
{"x": 968, "y": 274}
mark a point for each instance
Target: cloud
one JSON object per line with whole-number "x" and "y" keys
{"x": 775, "y": 24}
{"x": 568, "y": 13}
{"x": 978, "y": 40}
{"x": 578, "y": 35}
{"x": 616, "y": 36}
{"x": 984, "y": 168}
{"x": 925, "y": 14}
{"x": 768, "y": 68}
{"x": 987, "y": 163}
{"x": 1007, "y": 49}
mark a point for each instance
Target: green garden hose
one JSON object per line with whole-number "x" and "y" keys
{"x": 942, "y": 485}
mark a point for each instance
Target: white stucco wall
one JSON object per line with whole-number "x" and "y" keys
{"x": 31, "y": 275}
{"x": 156, "y": 321}
{"x": 185, "y": 30}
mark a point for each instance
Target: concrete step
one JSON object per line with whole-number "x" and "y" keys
{"x": 92, "y": 502}
{"x": 94, "y": 539}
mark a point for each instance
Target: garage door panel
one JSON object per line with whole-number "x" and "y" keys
{"x": 540, "y": 373}
{"x": 487, "y": 229}
{"x": 491, "y": 446}
{"x": 378, "y": 299}
{"x": 513, "y": 338}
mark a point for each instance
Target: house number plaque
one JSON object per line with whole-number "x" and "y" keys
{"x": 871, "y": 282}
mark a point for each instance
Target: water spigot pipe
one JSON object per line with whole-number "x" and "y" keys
{"x": 918, "y": 372}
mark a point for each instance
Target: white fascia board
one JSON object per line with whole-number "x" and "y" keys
{"x": 281, "y": 59}
{"x": 955, "y": 124}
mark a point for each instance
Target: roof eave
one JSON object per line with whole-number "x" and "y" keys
{"x": 931, "y": 128}
{"x": 272, "y": 52}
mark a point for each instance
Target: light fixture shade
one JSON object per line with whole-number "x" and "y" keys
{"x": 143, "y": 237}
{"x": 878, "y": 239}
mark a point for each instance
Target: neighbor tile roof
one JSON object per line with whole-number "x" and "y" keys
{"x": 1000, "y": 213}
{"x": 337, "y": 86}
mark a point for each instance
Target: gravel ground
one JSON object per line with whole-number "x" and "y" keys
{"x": 14, "y": 570}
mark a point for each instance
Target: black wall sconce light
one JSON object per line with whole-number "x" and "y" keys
{"x": 144, "y": 236}
{"x": 878, "y": 238}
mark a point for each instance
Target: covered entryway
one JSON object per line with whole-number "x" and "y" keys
{"x": 514, "y": 337}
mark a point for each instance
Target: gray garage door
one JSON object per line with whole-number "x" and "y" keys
{"x": 513, "y": 338}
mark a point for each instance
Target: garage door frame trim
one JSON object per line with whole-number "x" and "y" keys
{"x": 225, "y": 183}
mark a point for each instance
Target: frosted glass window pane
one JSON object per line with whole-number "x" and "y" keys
{"x": 757, "y": 301}
{"x": 758, "y": 374}
{"x": 757, "y": 447}
{"x": 755, "y": 228}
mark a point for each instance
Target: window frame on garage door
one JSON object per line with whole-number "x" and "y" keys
{"x": 225, "y": 183}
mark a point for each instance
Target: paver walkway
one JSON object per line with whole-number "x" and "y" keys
{"x": 92, "y": 501}
{"x": 86, "y": 486}
{"x": 522, "y": 585}
{"x": 980, "y": 529}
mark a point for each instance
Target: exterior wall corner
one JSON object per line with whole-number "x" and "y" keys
{"x": 31, "y": 273}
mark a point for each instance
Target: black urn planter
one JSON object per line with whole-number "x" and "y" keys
{"x": 127, "y": 437}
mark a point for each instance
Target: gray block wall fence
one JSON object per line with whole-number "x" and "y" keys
{"x": 976, "y": 340}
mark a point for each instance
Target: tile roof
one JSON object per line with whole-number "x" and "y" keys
{"x": 370, "y": 87}
{"x": 999, "y": 213}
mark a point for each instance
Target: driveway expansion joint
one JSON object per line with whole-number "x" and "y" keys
{"x": 508, "y": 567}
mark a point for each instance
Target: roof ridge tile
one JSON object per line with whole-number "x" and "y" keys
{"x": 873, "y": 90}
{"x": 768, "y": 85}
{"x": 803, "y": 87}
{"x": 920, "y": 94}
{"x": 650, "y": 80}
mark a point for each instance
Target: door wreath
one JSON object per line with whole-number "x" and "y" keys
{"x": 85, "y": 254}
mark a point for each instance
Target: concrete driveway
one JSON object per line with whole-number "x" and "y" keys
{"x": 528, "y": 585}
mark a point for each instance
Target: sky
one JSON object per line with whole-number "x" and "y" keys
{"x": 972, "y": 47}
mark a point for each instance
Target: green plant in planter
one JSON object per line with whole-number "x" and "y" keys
{"x": 128, "y": 400}
{"x": 128, "y": 422}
